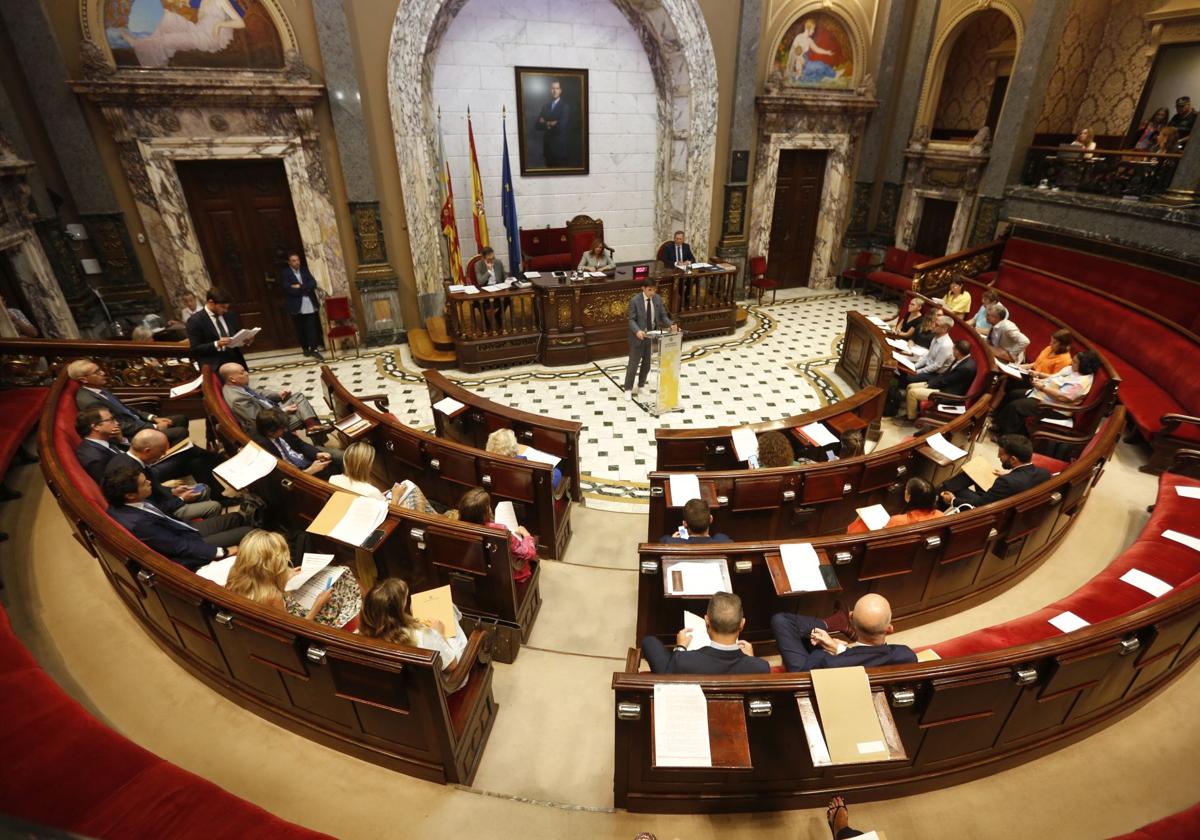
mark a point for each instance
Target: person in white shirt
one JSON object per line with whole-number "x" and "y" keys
{"x": 387, "y": 616}
{"x": 1007, "y": 341}
{"x": 939, "y": 357}
{"x": 190, "y": 307}
{"x": 357, "y": 462}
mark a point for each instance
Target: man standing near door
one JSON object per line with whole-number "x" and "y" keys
{"x": 301, "y": 289}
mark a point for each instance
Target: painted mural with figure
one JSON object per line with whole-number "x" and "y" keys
{"x": 192, "y": 33}
{"x": 815, "y": 51}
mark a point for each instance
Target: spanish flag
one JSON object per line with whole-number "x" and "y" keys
{"x": 481, "y": 231}
{"x": 449, "y": 226}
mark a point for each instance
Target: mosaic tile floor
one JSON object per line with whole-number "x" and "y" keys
{"x": 780, "y": 363}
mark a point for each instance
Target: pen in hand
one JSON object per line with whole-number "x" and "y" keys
{"x": 328, "y": 582}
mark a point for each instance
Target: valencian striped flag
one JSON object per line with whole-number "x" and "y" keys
{"x": 449, "y": 226}
{"x": 481, "y": 231}
{"x": 508, "y": 207}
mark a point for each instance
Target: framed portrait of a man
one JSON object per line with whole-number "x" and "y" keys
{"x": 552, "y": 110}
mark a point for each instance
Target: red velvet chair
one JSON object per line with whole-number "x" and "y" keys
{"x": 856, "y": 275}
{"x": 341, "y": 323}
{"x": 760, "y": 282}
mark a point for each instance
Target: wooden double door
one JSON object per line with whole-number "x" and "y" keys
{"x": 243, "y": 215}
{"x": 798, "y": 190}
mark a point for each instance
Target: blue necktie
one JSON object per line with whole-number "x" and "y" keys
{"x": 291, "y": 455}
{"x": 261, "y": 399}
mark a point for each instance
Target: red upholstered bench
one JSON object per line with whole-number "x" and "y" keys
{"x": 896, "y": 273}
{"x": 22, "y": 407}
{"x": 1105, "y": 596}
{"x": 1182, "y": 826}
{"x": 63, "y": 768}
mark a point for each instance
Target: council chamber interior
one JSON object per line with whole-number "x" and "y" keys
{"x": 599, "y": 418}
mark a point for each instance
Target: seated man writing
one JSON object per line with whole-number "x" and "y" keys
{"x": 725, "y": 655}
{"x": 246, "y": 402}
{"x": 1018, "y": 475}
{"x": 805, "y": 644}
{"x": 697, "y": 519}
{"x": 127, "y": 491}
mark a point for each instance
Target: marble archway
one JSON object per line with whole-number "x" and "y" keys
{"x": 677, "y": 44}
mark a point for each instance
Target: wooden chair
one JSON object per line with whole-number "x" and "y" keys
{"x": 760, "y": 282}
{"x": 856, "y": 275}
{"x": 341, "y": 323}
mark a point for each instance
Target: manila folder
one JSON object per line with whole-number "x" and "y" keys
{"x": 332, "y": 513}
{"x": 981, "y": 472}
{"x": 848, "y": 716}
{"x": 436, "y": 605}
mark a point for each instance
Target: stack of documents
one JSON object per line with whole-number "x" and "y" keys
{"x": 187, "y": 387}
{"x": 819, "y": 434}
{"x": 310, "y": 564}
{"x": 540, "y": 457}
{"x": 435, "y": 605}
{"x": 242, "y": 337}
{"x": 532, "y": 275}
{"x": 879, "y": 322}
{"x": 849, "y": 718}
{"x": 681, "y": 726}
{"x": 684, "y": 487}
{"x": 745, "y": 443}
{"x": 349, "y": 518}
{"x": 874, "y": 516}
{"x": 803, "y": 567}
{"x": 945, "y": 448}
{"x": 904, "y": 360}
{"x": 695, "y": 623}
{"x": 307, "y": 594}
{"x": 697, "y": 578}
{"x": 1011, "y": 370}
{"x": 352, "y": 424}
{"x": 506, "y": 515}
{"x": 246, "y": 467}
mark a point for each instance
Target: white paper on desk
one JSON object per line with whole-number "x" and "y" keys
{"x": 218, "y": 570}
{"x": 701, "y": 265}
{"x": 470, "y": 290}
{"x": 695, "y": 623}
{"x": 186, "y": 388}
{"x": 310, "y": 564}
{"x": 877, "y": 321}
{"x": 945, "y": 448}
{"x": 684, "y": 488}
{"x": 681, "y": 726}
{"x": 1068, "y": 621}
{"x": 1011, "y": 370}
{"x": 802, "y": 566}
{"x": 875, "y": 516}
{"x": 596, "y": 274}
{"x": 1065, "y": 422}
{"x": 819, "y": 434}
{"x": 242, "y": 336}
{"x": 496, "y": 287}
{"x": 362, "y": 517}
{"x": 700, "y": 577}
{"x": 1183, "y": 539}
{"x": 456, "y": 287}
{"x": 745, "y": 443}
{"x": 1188, "y": 492}
{"x": 306, "y": 595}
{"x": 952, "y": 409}
{"x": 448, "y": 405}
{"x": 899, "y": 343}
{"x": 246, "y": 467}
{"x": 904, "y": 360}
{"x": 540, "y": 457}
{"x": 506, "y": 515}
{"x": 532, "y": 275}
{"x": 1147, "y": 583}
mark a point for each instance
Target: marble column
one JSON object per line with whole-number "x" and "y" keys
{"x": 870, "y": 154}
{"x": 734, "y": 213}
{"x": 905, "y": 100}
{"x": 1022, "y": 108}
{"x": 374, "y": 277}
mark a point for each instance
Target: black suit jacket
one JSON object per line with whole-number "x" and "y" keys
{"x": 132, "y": 420}
{"x": 94, "y": 457}
{"x": 667, "y": 255}
{"x": 709, "y": 660}
{"x": 956, "y": 379}
{"x": 306, "y": 449}
{"x": 712, "y": 538}
{"x": 202, "y": 338}
{"x": 294, "y": 297}
{"x": 160, "y": 496}
{"x": 1010, "y": 484}
{"x": 168, "y": 537}
{"x": 554, "y": 138}
{"x": 865, "y": 655}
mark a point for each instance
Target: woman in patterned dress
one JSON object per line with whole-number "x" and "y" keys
{"x": 262, "y": 571}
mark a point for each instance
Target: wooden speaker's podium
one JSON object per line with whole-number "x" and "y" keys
{"x": 667, "y": 350}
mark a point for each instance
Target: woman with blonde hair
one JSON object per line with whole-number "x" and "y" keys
{"x": 596, "y": 258}
{"x": 504, "y": 442}
{"x": 387, "y": 616}
{"x": 358, "y": 462}
{"x": 262, "y": 571}
{"x": 476, "y": 506}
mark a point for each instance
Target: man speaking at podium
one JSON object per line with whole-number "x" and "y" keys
{"x": 646, "y": 314}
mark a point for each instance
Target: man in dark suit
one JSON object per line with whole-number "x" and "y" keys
{"x": 127, "y": 490}
{"x": 92, "y": 394}
{"x": 697, "y": 519}
{"x": 676, "y": 251}
{"x": 554, "y": 121}
{"x": 300, "y": 288}
{"x": 210, "y": 329}
{"x": 100, "y": 441}
{"x": 725, "y": 655}
{"x": 805, "y": 644}
{"x": 273, "y": 436}
{"x": 955, "y": 379}
{"x": 1016, "y": 453}
{"x": 489, "y": 270}
{"x": 185, "y": 501}
{"x": 646, "y": 313}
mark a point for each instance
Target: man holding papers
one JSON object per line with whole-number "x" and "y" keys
{"x": 1016, "y": 453}
{"x": 956, "y": 380}
{"x": 724, "y": 654}
{"x": 805, "y": 644}
{"x": 697, "y": 519}
{"x": 211, "y": 330}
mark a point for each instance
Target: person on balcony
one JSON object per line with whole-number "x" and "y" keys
{"x": 1084, "y": 140}
{"x": 1184, "y": 120}
{"x": 1147, "y": 134}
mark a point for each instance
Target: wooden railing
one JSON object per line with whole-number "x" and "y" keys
{"x": 152, "y": 364}
{"x": 932, "y": 278}
{"x": 1110, "y": 172}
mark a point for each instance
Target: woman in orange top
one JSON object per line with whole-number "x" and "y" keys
{"x": 919, "y": 501}
{"x": 1056, "y": 356}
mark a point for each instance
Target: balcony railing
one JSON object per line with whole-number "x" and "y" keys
{"x": 1113, "y": 173}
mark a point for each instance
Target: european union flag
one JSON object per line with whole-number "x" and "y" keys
{"x": 508, "y": 209}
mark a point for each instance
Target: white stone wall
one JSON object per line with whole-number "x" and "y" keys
{"x": 474, "y": 67}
